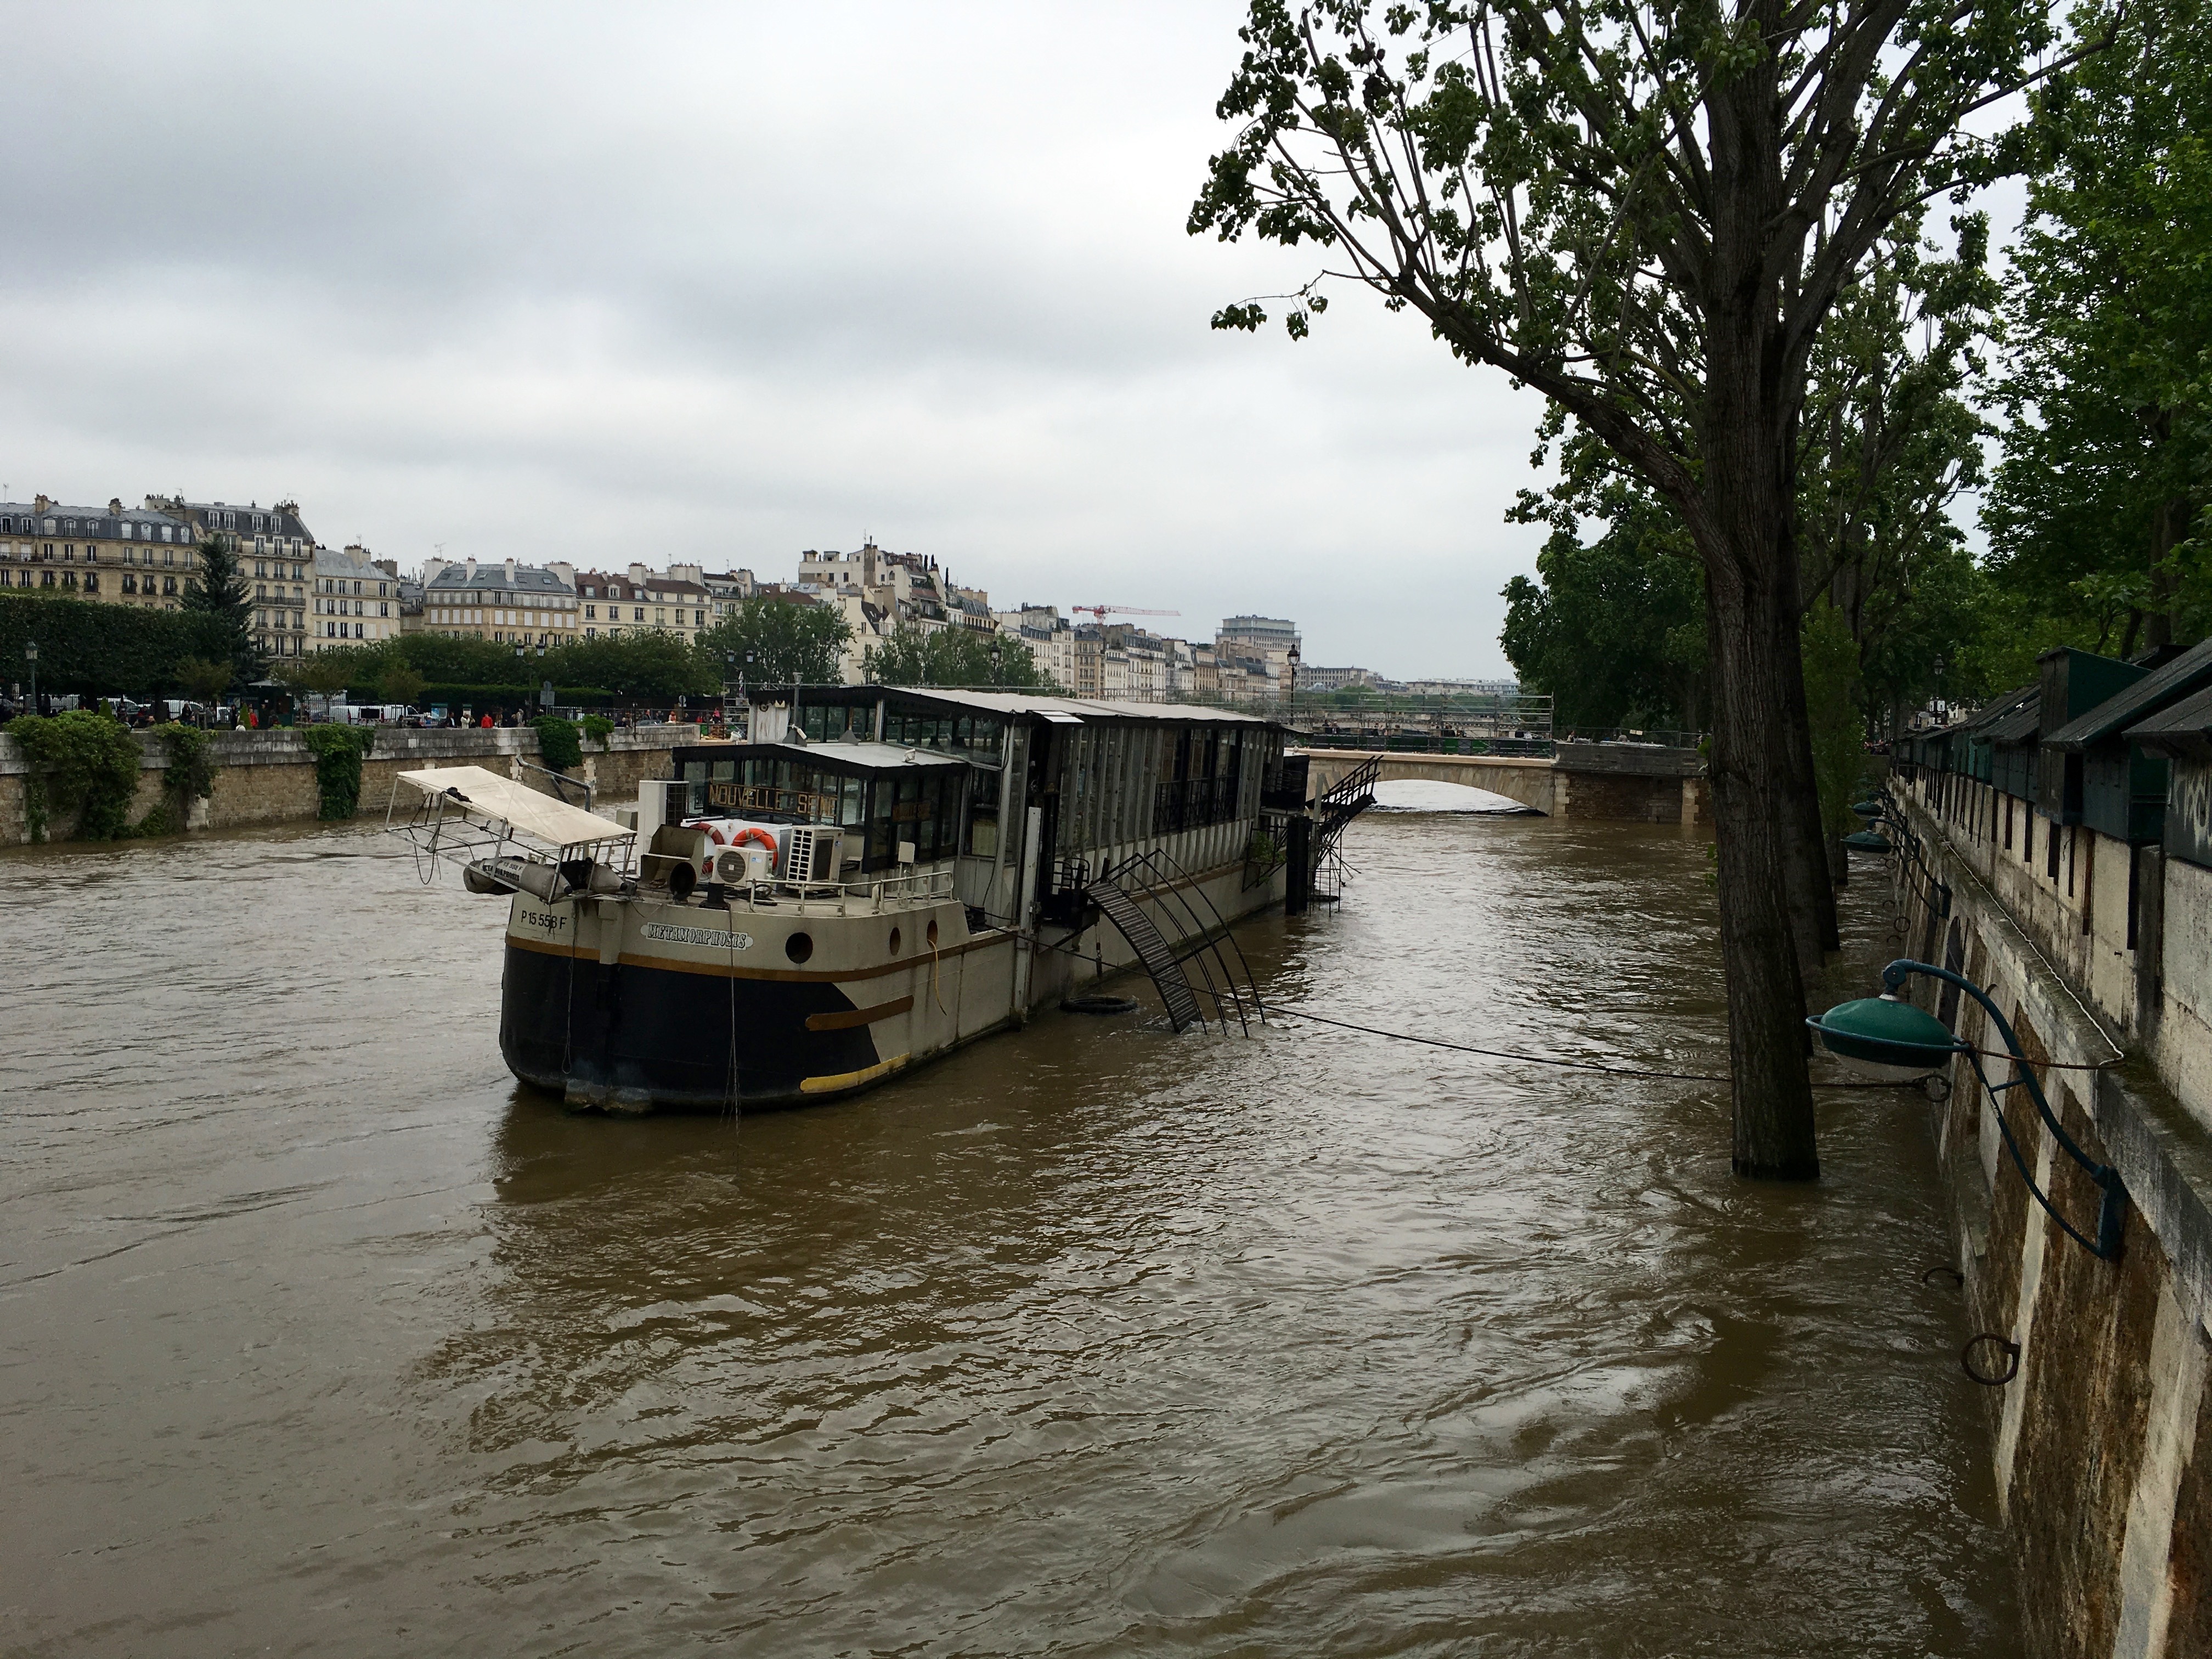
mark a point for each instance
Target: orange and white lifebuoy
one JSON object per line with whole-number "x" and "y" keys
{"x": 754, "y": 832}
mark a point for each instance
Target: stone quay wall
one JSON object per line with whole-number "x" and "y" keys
{"x": 2102, "y": 1440}
{"x": 269, "y": 777}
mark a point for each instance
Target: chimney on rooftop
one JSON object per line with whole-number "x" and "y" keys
{"x": 510, "y": 573}
{"x": 42, "y": 503}
{"x": 115, "y": 505}
{"x": 472, "y": 569}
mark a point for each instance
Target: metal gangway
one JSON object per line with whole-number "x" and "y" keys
{"x": 1145, "y": 886}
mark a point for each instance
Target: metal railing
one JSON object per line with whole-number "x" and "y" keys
{"x": 917, "y": 887}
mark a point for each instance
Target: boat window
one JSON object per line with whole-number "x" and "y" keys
{"x": 851, "y": 808}
{"x": 881, "y": 848}
{"x": 1009, "y": 843}
{"x": 981, "y": 840}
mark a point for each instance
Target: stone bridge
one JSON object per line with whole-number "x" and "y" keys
{"x": 1635, "y": 782}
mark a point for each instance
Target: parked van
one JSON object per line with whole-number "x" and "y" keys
{"x": 372, "y": 713}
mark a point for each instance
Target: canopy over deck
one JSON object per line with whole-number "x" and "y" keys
{"x": 487, "y": 795}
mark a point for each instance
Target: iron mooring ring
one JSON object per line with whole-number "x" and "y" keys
{"x": 1930, "y": 1275}
{"x": 2011, "y": 1350}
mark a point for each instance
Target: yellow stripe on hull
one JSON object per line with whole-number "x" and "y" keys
{"x": 827, "y": 1086}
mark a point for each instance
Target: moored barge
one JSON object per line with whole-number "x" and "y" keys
{"x": 878, "y": 877}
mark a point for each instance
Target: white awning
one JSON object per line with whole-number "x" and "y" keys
{"x": 487, "y": 795}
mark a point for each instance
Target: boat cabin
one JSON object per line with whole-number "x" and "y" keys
{"x": 1012, "y": 794}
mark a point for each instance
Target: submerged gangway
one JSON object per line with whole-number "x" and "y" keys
{"x": 1148, "y": 896}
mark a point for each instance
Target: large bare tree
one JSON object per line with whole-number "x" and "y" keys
{"x": 1645, "y": 211}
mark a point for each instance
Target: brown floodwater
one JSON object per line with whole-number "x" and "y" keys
{"x": 321, "y": 1336}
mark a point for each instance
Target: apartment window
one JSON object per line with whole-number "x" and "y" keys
{"x": 637, "y": 613}
{"x": 660, "y": 616}
{"x": 261, "y": 590}
{"x": 383, "y": 609}
{"x": 130, "y": 583}
{"x": 698, "y": 619}
{"x": 168, "y": 586}
{"x": 356, "y": 631}
{"x": 92, "y": 586}
{"x": 591, "y": 612}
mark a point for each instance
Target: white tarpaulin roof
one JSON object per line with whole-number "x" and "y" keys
{"x": 489, "y": 795}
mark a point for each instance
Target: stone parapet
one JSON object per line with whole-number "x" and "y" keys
{"x": 269, "y": 777}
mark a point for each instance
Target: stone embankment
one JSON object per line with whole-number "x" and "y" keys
{"x": 269, "y": 777}
{"x": 2103, "y": 1439}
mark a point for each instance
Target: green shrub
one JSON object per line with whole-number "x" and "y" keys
{"x": 190, "y": 755}
{"x": 338, "y": 752}
{"x": 599, "y": 728}
{"x": 558, "y": 745}
{"x": 78, "y": 760}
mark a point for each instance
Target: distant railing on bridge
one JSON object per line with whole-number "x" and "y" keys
{"x": 1650, "y": 736}
{"x": 1522, "y": 745}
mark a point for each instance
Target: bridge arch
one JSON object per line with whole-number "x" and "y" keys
{"x": 1521, "y": 778}
{"x": 1639, "y": 783}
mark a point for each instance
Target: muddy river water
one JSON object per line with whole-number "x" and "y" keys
{"x": 320, "y": 1336}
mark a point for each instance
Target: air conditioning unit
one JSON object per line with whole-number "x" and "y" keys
{"x": 740, "y": 866}
{"x": 810, "y": 853}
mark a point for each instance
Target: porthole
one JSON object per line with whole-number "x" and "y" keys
{"x": 895, "y": 941}
{"x": 931, "y": 936}
{"x": 799, "y": 946}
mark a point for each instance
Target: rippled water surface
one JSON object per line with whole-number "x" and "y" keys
{"x": 320, "y": 1336}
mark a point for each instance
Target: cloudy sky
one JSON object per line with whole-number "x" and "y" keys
{"x": 720, "y": 283}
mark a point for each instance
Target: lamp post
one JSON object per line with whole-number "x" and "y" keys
{"x": 998, "y": 657}
{"x": 1889, "y": 1038}
{"x": 31, "y": 656}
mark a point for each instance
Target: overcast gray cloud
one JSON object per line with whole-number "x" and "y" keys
{"x": 722, "y": 283}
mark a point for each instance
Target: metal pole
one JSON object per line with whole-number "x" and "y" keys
{"x": 2112, "y": 1210}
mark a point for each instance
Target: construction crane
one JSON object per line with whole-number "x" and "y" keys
{"x": 1100, "y": 610}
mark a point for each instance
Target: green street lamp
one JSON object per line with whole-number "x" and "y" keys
{"x": 1867, "y": 841}
{"x": 31, "y": 656}
{"x": 1888, "y": 1037}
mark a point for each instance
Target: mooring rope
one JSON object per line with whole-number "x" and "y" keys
{"x": 1545, "y": 1060}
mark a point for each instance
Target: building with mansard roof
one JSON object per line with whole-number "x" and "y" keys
{"x": 506, "y": 603}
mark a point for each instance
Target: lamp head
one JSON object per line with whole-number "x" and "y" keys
{"x": 1886, "y": 1038}
{"x": 1867, "y": 841}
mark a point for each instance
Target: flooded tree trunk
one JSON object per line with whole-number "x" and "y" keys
{"x": 1753, "y": 780}
{"x": 1771, "y": 1095}
{"x": 1777, "y": 904}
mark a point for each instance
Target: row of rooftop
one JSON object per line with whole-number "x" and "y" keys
{"x": 308, "y": 597}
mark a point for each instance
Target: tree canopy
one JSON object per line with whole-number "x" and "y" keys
{"x": 952, "y": 656}
{"x": 773, "y": 641}
{"x": 2097, "y": 506}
